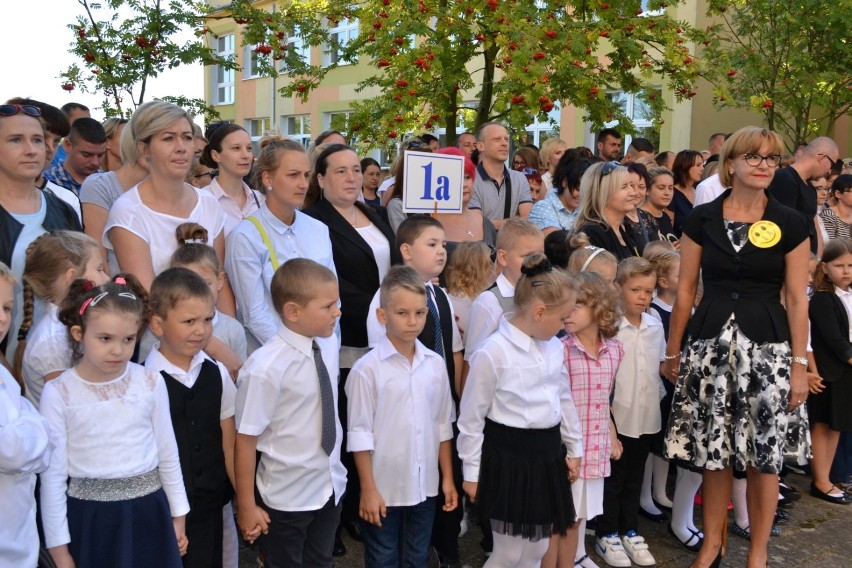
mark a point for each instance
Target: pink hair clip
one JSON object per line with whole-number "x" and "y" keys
{"x": 88, "y": 285}
{"x": 120, "y": 280}
{"x": 85, "y": 305}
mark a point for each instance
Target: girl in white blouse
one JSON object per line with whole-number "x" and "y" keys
{"x": 54, "y": 261}
{"x": 23, "y": 453}
{"x": 516, "y": 415}
{"x": 113, "y": 494}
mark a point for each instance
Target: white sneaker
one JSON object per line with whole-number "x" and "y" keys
{"x": 610, "y": 549}
{"x": 637, "y": 550}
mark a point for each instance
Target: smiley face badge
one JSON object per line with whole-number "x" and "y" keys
{"x": 764, "y": 234}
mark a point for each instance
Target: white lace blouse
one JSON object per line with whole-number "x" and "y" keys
{"x": 118, "y": 429}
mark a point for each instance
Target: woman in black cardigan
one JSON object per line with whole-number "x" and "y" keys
{"x": 829, "y": 408}
{"x": 606, "y": 196}
{"x": 745, "y": 358}
{"x": 364, "y": 248}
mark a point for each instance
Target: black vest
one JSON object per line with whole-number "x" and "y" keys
{"x": 427, "y": 336}
{"x": 198, "y": 431}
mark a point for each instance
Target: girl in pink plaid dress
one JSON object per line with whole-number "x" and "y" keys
{"x": 592, "y": 356}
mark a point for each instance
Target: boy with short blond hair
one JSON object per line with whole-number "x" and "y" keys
{"x": 287, "y": 412}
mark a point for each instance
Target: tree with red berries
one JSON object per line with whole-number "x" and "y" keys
{"x": 788, "y": 61}
{"x": 434, "y": 62}
{"x": 123, "y": 43}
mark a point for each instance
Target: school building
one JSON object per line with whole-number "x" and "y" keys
{"x": 253, "y": 101}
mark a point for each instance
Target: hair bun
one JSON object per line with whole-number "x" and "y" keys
{"x": 538, "y": 266}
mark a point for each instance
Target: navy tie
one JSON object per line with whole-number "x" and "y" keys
{"x": 433, "y": 310}
{"x": 329, "y": 428}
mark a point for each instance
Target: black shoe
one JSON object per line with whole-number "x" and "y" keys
{"x": 654, "y": 517}
{"x": 353, "y": 529}
{"x": 693, "y": 543}
{"x": 789, "y": 492}
{"x": 841, "y": 499}
{"x": 785, "y": 502}
{"x": 339, "y": 548}
{"x": 781, "y": 516}
{"x": 718, "y": 561}
{"x": 661, "y": 507}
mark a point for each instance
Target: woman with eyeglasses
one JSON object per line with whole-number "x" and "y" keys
{"x": 606, "y": 196}
{"x": 560, "y": 206}
{"x": 200, "y": 175}
{"x": 100, "y": 191}
{"x": 525, "y": 157}
{"x": 743, "y": 367}
{"x": 687, "y": 169}
{"x": 837, "y": 219}
{"x": 25, "y": 211}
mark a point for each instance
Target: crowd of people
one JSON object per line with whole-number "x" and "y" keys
{"x": 203, "y": 342}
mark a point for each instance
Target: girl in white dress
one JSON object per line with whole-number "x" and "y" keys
{"x": 113, "y": 494}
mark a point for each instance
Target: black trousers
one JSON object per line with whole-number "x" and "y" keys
{"x": 623, "y": 486}
{"x": 352, "y": 497}
{"x": 298, "y": 539}
{"x": 445, "y": 529}
{"x": 204, "y": 531}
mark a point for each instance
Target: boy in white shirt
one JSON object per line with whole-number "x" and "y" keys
{"x": 636, "y": 413}
{"x": 400, "y": 430}
{"x": 287, "y": 411}
{"x": 517, "y": 239}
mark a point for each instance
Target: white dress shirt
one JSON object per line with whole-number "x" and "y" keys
{"x": 485, "y": 313}
{"x": 23, "y": 454}
{"x": 117, "y": 429}
{"x": 48, "y": 351}
{"x": 249, "y": 268}
{"x": 401, "y": 411}
{"x": 516, "y": 381}
{"x": 708, "y": 190}
{"x": 157, "y": 362}
{"x": 278, "y": 400}
{"x": 233, "y": 212}
{"x": 636, "y": 398}
{"x": 376, "y": 329}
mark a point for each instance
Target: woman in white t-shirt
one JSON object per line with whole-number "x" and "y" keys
{"x": 140, "y": 230}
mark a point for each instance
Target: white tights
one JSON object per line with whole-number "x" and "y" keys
{"x": 516, "y": 552}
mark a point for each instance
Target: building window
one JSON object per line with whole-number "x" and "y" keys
{"x": 540, "y": 130}
{"x": 223, "y": 83}
{"x": 340, "y": 33}
{"x": 250, "y": 62}
{"x": 637, "y": 109}
{"x": 297, "y": 45}
{"x": 256, "y": 128}
{"x": 298, "y": 128}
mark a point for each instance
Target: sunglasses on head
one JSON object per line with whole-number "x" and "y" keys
{"x": 12, "y": 110}
{"x": 608, "y": 168}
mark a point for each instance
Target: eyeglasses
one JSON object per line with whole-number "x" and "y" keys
{"x": 519, "y": 163}
{"x": 12, "y": 110}
{"x": 608, "y": 168}
{"x": 772, "y": 160}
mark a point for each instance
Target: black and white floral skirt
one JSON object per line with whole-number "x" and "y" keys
{"x": 730, "y": 405}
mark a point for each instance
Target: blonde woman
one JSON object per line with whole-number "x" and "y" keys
{"x": 549, "y": 155}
